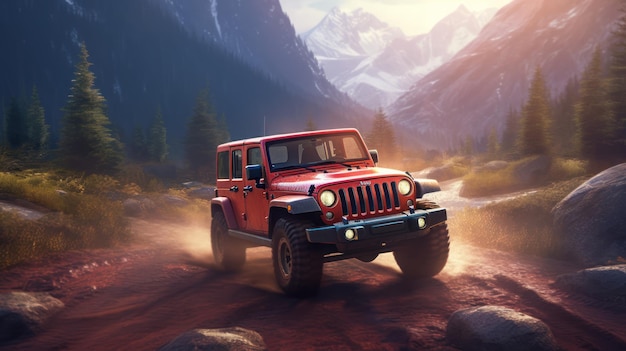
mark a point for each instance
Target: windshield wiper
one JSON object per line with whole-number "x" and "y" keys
{"x": 287, "y": 168}
{"x": 332, "y": 162}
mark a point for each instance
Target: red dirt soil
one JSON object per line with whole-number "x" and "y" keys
{"x": 143, "y": 296}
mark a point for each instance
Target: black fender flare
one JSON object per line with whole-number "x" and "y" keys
{"x": 296, "y": 204}
{"x": 425, "y": 186}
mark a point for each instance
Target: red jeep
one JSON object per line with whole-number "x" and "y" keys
{"x": 317, "y": 197}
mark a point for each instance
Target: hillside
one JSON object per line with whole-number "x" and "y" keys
{"x": 474, "y": 91}
{"x": 144, "y": 59}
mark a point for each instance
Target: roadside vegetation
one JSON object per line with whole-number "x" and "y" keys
{"x": 523, "y": 224}
{"x": 548, "y": 148}
{"x": 76, "y": 217}
{"x": 81, "y": 175}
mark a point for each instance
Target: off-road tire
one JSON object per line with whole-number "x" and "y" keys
{"x": 425, "y": 257}
{"x": 229, "y": 253}
{"x": 298, "y": 265}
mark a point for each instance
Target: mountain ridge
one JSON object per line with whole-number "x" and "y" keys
{"x": 476, "y": 89}
{"x": 377, "y": 77}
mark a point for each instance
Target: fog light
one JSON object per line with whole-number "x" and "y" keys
{"x": 350, "y": 234}
{"x": 421, "y": 222}
{"x": 329, "y": 215}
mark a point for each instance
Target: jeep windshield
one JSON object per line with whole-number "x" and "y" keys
{"x": 304, "y": 152}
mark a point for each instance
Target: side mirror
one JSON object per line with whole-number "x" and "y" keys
{"x": 374, "y": 154}
{"x": 255, "y": 172}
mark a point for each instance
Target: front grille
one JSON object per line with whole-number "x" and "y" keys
{"x": 361, "y": 200}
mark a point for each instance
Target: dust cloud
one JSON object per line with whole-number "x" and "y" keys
{"x": 196, "y": 242}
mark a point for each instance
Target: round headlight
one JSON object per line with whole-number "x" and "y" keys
{"x": 404, "y": 187}
{"x": 350, "y": 234}
{"x": 328, "y": 198}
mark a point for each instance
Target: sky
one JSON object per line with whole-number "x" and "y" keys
{"x": 412, "y": 16}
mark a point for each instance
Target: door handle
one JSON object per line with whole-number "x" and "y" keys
{"x": 234, "y": 188}
{"x": 248, "y": 188}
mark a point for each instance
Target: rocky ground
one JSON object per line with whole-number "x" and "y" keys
{"x": 142, "y": 297}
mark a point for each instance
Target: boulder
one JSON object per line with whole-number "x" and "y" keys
{"x": 604, "y": 283}
{"x": 448, "y": 171}
{"x": 21, "y": 313}
{"x": 498, "y": 328}
{"x": 590, "y": 222}
{"x": 205, "y": 193}
{"x": 225, "y": 339}
{"x": 175, "y": 200}
{"x": 494, "y": 166}
{"x": 533, "y": 171}
{"x": 137, "y": 206}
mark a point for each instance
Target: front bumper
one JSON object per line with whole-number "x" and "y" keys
{"x": 378, "y": 233}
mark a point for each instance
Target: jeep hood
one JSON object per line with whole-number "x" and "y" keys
{"x": 301, "y": 182}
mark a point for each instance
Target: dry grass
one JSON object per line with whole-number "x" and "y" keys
{"x": 523, "y": 224}
{"x": 80, "y": 219}
{"x": 493, "y": 182}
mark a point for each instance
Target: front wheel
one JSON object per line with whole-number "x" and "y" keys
{"x": 298, "y": 265}
{"x": 229, "y": 253}
{"x": 424, "y": 257}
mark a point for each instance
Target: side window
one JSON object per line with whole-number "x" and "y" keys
{"x": 254, "y": 156}
{"x": 237, "y": 165}
{"x": 222, "y": 165}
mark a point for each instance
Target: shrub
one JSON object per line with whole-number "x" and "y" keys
{"x": 81, "y": 219}
{"x": 523, "y": 224}
{"x": 492, "y": 182}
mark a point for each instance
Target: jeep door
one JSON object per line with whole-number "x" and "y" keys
{"x": 257, "y": 203}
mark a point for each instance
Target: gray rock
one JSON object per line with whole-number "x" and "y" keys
{"x": 132, "y": 207}
{"x": 533, "y": 171}
{"x": 21, "y": 314}
{"x": 205, "y": 192}
{"x": 605, "y": 283}
{"x": 137, "y": 206}
{"x": 498, "y": 328}
{"x": 225, "y": 339}
{"x": 175, "y": 200}
{"x": 590, "y": 222}
{"x": 192, "y": 184}
{"x": 494, "y": 166}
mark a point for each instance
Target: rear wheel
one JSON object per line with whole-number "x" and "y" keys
{"x": 425, "y": 257}
{"x": 229, "y": 253}
{"x": 298, "y": 265}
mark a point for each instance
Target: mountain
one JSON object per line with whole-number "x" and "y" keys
{"x": 259, "y": 33}
{"x": 144, "y": 59}
{"x": 474, "y": 91}
{"x": 375, "y": 63}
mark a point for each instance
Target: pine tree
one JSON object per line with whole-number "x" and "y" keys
{"x": 16, "y": 125}
{"x": 534, "y": 137}
{"x": 86, "y": 142}
{"x": 593, "y": 113}
{"x": 493, "y": 146}
{"x": 564, "y": 127}
{"x": 157, "y": 139}
{"x": 617, "y": 88}
{"x": 310, "y": 125}
{"x": 382, "y": 136}
{"x": 38, "y": 134}
{"x": 138, "y": 149}
{"x": 204, "y": 133}
{"x": 511, "y": 131}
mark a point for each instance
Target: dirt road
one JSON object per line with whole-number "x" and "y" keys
{"x": 142, "y": 297}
